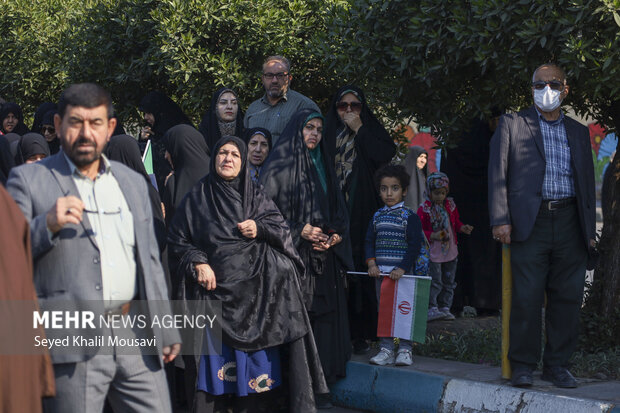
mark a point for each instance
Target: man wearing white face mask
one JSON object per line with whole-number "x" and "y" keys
{"x": 542, "y": 202}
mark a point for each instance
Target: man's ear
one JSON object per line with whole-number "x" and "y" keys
{"x": 111, "y": 126}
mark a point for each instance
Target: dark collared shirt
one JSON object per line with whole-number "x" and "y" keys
{"x": 261, "y": 114}
{"x": 558, "y": 182}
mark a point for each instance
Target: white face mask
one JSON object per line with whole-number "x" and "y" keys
{"x": 547, "y": 99}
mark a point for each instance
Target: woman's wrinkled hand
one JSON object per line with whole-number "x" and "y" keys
{"x": 248, "y": 228}
{"x": 205, "y": 276}
{"x": 313, "y": 234}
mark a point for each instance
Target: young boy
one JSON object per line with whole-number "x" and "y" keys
{"x": 394, "y": 242}
{"x": 440, "y": 221}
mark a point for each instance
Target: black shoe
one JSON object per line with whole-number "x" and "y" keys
{"x": 522, "y": 377}
{"x": 559, "y": 376}
{"x": 360, "y": 346}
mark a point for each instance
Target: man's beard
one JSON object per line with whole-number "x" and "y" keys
{"x": 83, "y": 159}
{"x": 272, "y": 93}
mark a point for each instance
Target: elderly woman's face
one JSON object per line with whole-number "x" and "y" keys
{"x": 313, "y": 132}
{"x": 421, "y": 161}
{"x": 258, "y": 149}
{"x": 228, "y": 161}
{"x": 9, "y": 123}
{"x": 227, "y": 107}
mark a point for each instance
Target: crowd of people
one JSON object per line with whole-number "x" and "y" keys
{"x": 266, "y": 212}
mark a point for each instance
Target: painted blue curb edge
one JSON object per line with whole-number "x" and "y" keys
{"x": 388, "y": 389}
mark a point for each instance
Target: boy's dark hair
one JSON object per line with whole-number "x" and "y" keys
{"x": 87, "y": 95}
{"x": 392, "y": 171}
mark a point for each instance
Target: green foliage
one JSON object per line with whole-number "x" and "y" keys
{"x": 481, "y": 346}
{"x": 186, "y": 48}
{"x": 447, "y": 62}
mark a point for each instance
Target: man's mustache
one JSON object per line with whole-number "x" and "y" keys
{"x": 83, "y": 141}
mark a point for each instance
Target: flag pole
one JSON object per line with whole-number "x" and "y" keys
{"x": 506, "y": 304}
{"x": 387, "y": 274}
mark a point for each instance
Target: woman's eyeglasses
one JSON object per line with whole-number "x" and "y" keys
{"x": 554, "y": 84}
{"x": 48, "y": 129}
{"x": 355, "y": 106}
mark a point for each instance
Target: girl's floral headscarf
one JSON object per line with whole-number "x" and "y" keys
{"x": 440, "y": 219}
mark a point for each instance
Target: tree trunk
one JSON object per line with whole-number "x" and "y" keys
{"x": 605, "y": 292}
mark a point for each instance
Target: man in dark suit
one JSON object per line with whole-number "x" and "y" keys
{"x": 93, "y": 241}
{"x": 541, "y": 201}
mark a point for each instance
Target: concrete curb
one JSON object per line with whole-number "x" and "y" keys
{"x": 395, "y": 390}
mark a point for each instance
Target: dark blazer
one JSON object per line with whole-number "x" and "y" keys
{"x": 517, "y": 168}
{"x": 67, "y": 267}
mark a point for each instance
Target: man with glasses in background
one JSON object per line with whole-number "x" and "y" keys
{"x": 276, "y": 107}
{"x": 93, "y": 241}
{"x": 542, "y": 203}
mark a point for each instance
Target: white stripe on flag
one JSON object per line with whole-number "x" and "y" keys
{"x": 404, "y": 308}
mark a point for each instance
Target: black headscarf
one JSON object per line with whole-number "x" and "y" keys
{"x": 124, "y": 149}
{"x": 374, "y": 148}
{"x": 12, "y": 137}
{"x": 257, "y": 279}
{"x": 6, "y": 160}
{"x": 247, "y": 135}
{"x": 48, "y": 119}
{"x": 43, "y": 108}
{"x": 210, "y": 123}
{"x": 29, "y": 145}
{"x": 166, "y": 112}
{"x": 292, "y": 179}
{"x": 417, "y": 185}
{"x": 204, "y": 230}
{"x": 188, "y": 151}
{"x": 16, "y": 110}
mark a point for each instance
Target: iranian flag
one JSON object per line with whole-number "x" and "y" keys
{"x": 147, "y": 160}
{"x": 403, "y": 308}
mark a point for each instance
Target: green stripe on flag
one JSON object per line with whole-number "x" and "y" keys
{"x": 420, "y": 316}
{"x": 147, "y": 159}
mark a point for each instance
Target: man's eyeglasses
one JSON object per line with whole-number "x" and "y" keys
{"x": 48, "y": 129}
{"x": 355, "y": 106}
{"x": 113, "y": 212}
{"x": 279, "y": 76}
{"x": 554, "y": 84}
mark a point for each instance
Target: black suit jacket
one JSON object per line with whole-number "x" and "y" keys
{"x": 517, "y": 168}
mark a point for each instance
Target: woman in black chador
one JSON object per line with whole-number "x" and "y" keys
{"x": 188, "y": 154}
{"x": 359, "y": 145}
{"x": 229, "y": 242}
{"x": 160, "y": 114}
{"x": 223, "y": 118}
{"x": 300, "y": 179}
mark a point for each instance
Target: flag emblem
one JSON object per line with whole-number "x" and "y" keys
{"x": 403, "y": 308}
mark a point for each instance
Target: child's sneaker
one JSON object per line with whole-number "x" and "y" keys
{"x": 383, "y": 358}
{"x": 404, "y": 358}
{"x": 435, "y": 314}
{"x": 448, "y": 314}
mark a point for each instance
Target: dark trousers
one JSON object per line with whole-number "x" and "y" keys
{"x": 553, "y": 261}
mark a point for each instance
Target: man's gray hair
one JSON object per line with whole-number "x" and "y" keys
{"x": 278, "y": 58}
{"x": 555, "y": 65}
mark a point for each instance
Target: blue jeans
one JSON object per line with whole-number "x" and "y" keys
{"x": 443, "y": 284}
{"x": 388, "y": 342}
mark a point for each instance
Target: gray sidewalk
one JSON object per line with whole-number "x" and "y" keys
{"x": 433, "y": 385}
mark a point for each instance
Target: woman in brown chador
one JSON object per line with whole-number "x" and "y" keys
{"x": 24, "y": 379}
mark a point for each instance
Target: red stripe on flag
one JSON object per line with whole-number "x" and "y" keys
{"x": 386, "y": 308}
